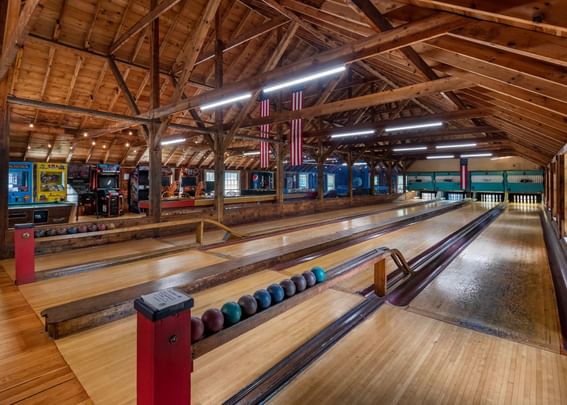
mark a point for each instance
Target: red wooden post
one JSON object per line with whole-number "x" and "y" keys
{"x": 24, "y": 253}
{"x": 164, "y": 363}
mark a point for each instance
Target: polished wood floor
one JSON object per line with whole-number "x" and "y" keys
{"x": 398, "y": 355}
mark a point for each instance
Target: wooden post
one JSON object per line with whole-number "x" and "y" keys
{"x": 389, "y": 180}
{"x": 154, "y": 140}
{"x": 8, "y": 16}
{"x": 219, "y": 140}
{"x": 380, "y": 280}
{"x": 349, "y": 166}
{"x": 372, "y": 164}
{"x": 200, "y": 232}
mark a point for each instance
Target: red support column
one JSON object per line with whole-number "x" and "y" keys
{"x": 164, "y": 363}
{"x": 24, "y": 253}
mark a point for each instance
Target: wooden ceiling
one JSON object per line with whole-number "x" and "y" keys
{"x": 80, "y": 91}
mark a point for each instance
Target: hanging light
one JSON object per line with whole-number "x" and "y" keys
{"x": 304, "y": 79}
{"x": 225, "y": 101}
{"x": 130, "y": 133}
{"x": 103, "y": 146}
{"x": 409, "y": 148}
{"x": 355, "y": 133}
{"x": 471, "y": 155}
{"x": 127, "y": 144}
{"x": 49, "y": 145}
{"x": 441, "y": 157}
{"x": 85, "y": 134}
{"x": 253, "y": 153}
{"x": 31, "y": 125}
{"x": 417, "y": 126}
{"x": 173, "y": 141}
{"x": 93, "y": 143}
{"x": 456, "y": 145}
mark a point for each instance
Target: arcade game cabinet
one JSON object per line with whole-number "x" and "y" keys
{"x": 79, "y": 177}
{"x": 20, "y": 183}
{"x": 50, "y": 182}
{"x": 139, "y": 187}
{"x": 106, "y": 185}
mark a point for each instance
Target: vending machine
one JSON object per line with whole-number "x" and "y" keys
{"x": 139, "y": 187}
{"x": 106, "y": 185}
{"x": 50, "y": 182}
{"x": 20, "y": 183}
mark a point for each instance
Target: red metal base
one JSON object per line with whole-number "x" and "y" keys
{"x": 24, "y": 245}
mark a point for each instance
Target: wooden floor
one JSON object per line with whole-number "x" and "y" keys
{"x": 396, "y": 356}
{"x": 501, "y": 284}
{"x": 31, "y": 368}
{"x": 399, "y": 357}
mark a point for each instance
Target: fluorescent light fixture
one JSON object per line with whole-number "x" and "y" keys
{"x": 417, "y": 126}
{"x": 441, "y": 157}
{"x": 471, "y": 155}
{"x": 501, "y": 157}
{"x": 359, "y": 164}
{"x": 304, "y": 79}
{"x": 253, "y": 153}
{"x": 355, "y": 133}
{"x": 226, "y": 101}
{"x": 173, "y": 141}
{"x": 409, "y": 148}
{"x": 456, "y": 145}
{"x": 309, "y": 161}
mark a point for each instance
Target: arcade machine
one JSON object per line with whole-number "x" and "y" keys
{"x": 261, "y": 183}
{"x": 20, "y": 183}
{"x": 79, "y": 177}
{"x": 106, "y": 185}
{"x": 51, "y": 182}
{"x": 138, "y": 188}
{"x": 189, "y": 180}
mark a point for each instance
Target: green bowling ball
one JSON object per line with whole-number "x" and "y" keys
{"x": 231, "y": 312}
{"x": 320, "y": 274}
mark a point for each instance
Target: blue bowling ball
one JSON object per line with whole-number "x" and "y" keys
{"x": 277, "y": 293}
{"x": 263, "y": 298}
{"x": 320, "y": 274}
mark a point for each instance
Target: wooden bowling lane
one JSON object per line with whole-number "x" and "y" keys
{"x": 501, "y": 284}
{"x": 31, "y": 368}
{"x": 48, "y": 293}
{"x": 104, "y": 361}
{"x": 78, "y": 256}
{"x": 411, "y": 241}
{"x": 399, "y": 357}
{"x": 245, "y": 248}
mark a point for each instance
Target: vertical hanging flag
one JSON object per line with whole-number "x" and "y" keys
{"x": 296, "y": 133}
{"x": 464, "y": 174}
{"x": 264, "y": 133}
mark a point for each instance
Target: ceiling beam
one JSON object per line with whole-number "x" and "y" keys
{"x": 382, "y": 42}
{"x": 160, "y": 9}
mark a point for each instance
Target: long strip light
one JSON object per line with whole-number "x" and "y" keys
{"x": 304, "y": 79}
{"x": 441, "y": 157}
{"x": 355, "y": 133}
{"x": 254, "y": 153}
{"x": 417, "y": 126}
{"x": 224, "y": 101}
{"x": 173, "y": 141}
{"x": 501, "y": 157}
{"x": 456, "y": 145}
{"x": 471, "y": 155}
{"x": 410, "y": 148}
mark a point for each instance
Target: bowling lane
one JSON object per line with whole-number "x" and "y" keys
{"x": 410, "y": 241}
{"x": 120, "y": 249}
{"x": 245, "y": 248}
{"x": 44, "y": 294}
{"x": 399, "y": 357}
{"x": 104, "y": 358}
{"x": 501, "y": 284}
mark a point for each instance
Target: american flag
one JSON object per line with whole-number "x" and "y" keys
{"x": 296, "y": 141}
{"x": 464, "y": 174}
{"x": 264, "y": 133}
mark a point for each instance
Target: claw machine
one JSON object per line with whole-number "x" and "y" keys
{"x": 50, "y": 182}
{"x": 20, "y": 183}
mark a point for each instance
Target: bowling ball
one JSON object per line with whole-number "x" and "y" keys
{"x": 277, "y": 293}
{"x": 82, "y": 229}
{"x": 101, "y": 227}
{"x": 309, "y": 278}
{"x": 111, "y": 226}
{"x": 40, "y": 233}
{"x": 61, "y": 231}
{"x": 263, "y": 299}
{"x": 197, "y": 328}
{"x": 231, "y": 312}
{"x": 248, "y": 305}
{"x": 92, "y": 228}
{"x": 51, "y": 232}
{"x": 300, "y": 282}
{"x": 320, "y": 274}
{"x": 72, "y": 230}
{"x": 213, "y": 320}
{"x": 288, "y": 287}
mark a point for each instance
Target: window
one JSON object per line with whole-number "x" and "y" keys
{"x": 330, "y": 182}
{"x": 303, "y": 181}
{"x": 209, "y": 175}
{"x": 231, "y": 183}
{"x": 401, "y": 184}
